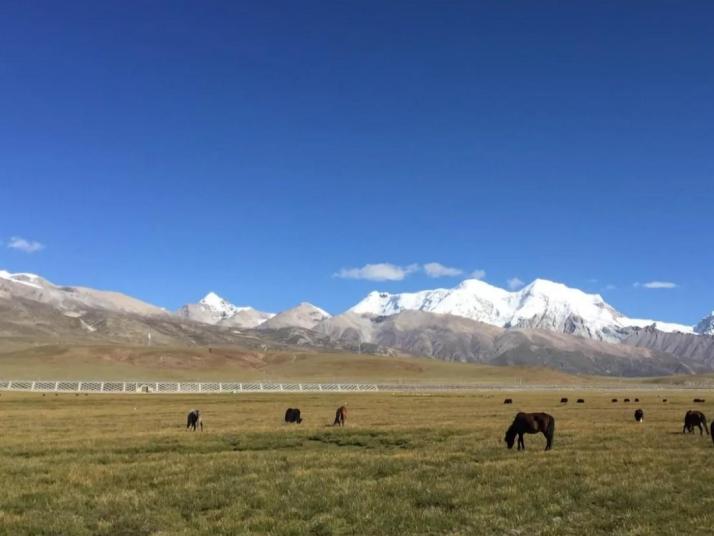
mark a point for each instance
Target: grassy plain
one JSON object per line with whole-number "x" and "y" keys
{"x": 59, "y": 362}
{"x": 404, "y": 464}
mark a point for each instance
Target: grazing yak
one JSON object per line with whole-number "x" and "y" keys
{"x": 508, "y": 401}
{"x": 292, "y": 415}
{"x": 613, "y": 400}
{"x": 563, "y": 400}
{"x": 580, "y": 401}
{"x": 530, "y": 423}
{"x": 627, "y": 400}
{"x": 194, "y": 419}
{"x": 699, "y": 401}
{"x": 340, "y": 416}
{"x": 639, "y": 415}
{"x": 695, "y": 418}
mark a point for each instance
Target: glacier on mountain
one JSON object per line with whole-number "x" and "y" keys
{"x": 542, "y": 304}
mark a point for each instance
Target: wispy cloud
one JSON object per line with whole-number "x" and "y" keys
{"x": 382, "y": 271}
{"x": 436, "y": 269}
{"x": 477, "y": 274}
{"x": 27, "y": 246}
{"x": 610, "y": 287}
{"x": 515, "y": 283}
{"x": 657, "y": 284}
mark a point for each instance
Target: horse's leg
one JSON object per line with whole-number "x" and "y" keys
{"x": 699, "y": 425}
{"x": 521, "y": 443}
{"x": 548, "y": 441}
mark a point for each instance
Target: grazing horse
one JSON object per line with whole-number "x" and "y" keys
{"x": 699, "y": 400}
{"x": 530, "y": 423}
{"x": 563, "y": 400}
{"x": 664, "y": 400}
{"x": 580, "y": 401}
{"x": 637, "y": 399}
{"x": 695, "y": 418}
{"x": 508, "y": 401}
{"x": 639, "y": 415}
{"x": 194, "y": 419}
{"x": 292, "y": 415}
{"x": 627, "y": 400}
{"x": 340, "y": 416}
{"x": 613, "y": 400}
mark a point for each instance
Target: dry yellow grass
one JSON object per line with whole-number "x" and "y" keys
{"x": 235, "y": 364}
{"x": 405, "y": 464}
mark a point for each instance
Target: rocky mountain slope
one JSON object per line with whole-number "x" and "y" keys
{"x": 457, "y": 338}
{"x": 543, "y": 324}
{"x": 706, "y": 326}
{"x": 304, "y": 315}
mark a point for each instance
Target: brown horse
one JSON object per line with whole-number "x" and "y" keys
{"x": 695, "y": 418}
{"x": 340, "y": 416}
{"x": 530, "y": 423}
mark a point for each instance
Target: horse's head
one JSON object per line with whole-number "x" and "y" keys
{"x": 510, "y": 438}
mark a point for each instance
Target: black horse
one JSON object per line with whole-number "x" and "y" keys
{"x": 695, "y": 418}
{"x": 563, "y": 400}
{"x": 292, "y": 415}
{"x": 530, "y": 423}
{"x": 194, "y": 419}
{"x": 639, "y": 415}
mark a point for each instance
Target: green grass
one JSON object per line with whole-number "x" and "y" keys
{"x": 421, "y": 464}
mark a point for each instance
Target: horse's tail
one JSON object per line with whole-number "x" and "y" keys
{"x": 704, "y": 420}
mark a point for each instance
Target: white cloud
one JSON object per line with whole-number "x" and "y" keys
{"x": 436, "y": 269}
{"x": 658, "y": 284}
{"x": 610, "y": 287}
{"x": 477, "y": 274}
{"x": 28, "y": 246}
{"x": 514, "y": 283}
{"x": 382, "y": 271}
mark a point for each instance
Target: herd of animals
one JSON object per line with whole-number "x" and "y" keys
{"x": 523, "y": 423}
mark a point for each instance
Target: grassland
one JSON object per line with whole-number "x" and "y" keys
{"x": 404, "y": 464}
{"x": 58, "y": 362}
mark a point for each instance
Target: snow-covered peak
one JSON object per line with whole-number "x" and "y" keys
{"x": 542, "y": 304}
{"x": 215, "y": 302}
{"x": 31, "y": 280}
{"x": 213, "y": 309}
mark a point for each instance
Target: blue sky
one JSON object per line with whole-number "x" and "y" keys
{"x": 166, "y": 149}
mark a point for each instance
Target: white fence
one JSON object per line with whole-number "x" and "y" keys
{"x": 164, "y": 387}
{"x": 117, "y": 387}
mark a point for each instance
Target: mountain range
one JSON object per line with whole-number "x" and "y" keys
{"x": 544, "y": 323}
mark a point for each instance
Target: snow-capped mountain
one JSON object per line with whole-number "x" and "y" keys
{"x": 213, "y": 309}
{"x": 304, "y": 315}
{"x": 706, "y": 326}
{"x": 542, "y": 304}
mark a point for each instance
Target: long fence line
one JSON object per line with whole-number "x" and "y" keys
{"x": 167, "y": 387}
